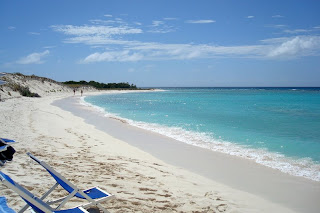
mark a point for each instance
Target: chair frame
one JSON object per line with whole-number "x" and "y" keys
{"x": 28, "y": 197}
{"x": 75, "y": 190}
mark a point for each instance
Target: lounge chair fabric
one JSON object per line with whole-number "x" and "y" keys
{"x": 4, "y": 206}
{"x": 7, "y": 141}
{"x": 3, "y": 148}
{"x": 74, "y": 210}
{"x": 94, "y": 193}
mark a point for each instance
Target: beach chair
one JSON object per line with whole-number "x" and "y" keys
{"x": 6, "y": 150}
{"x": 37, "y": 204}
{"x": 94, "y": 196}
{"x": 7, "y": 141}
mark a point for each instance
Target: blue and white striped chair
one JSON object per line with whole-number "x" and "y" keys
{"x": 94, "y": 196}
{"x": 37, "y": 204}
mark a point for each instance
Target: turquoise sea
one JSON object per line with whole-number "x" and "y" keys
{"x": 276, "y": 127}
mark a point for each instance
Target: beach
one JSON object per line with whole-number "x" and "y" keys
{"x": 146, "y": 171}
{"x": 143, "y": 176}
{"x": 160, "y": 106}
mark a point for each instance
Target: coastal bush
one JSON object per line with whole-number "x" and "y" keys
{"x": 101, "y": 85}
{"x": 23, "y": 90}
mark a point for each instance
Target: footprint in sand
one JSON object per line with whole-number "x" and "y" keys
{"x": 222, "y": 207}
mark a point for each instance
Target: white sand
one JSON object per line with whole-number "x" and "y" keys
{"x": 90, "y": 157}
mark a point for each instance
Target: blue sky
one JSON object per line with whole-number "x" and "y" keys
{"x": 164, "y": 42}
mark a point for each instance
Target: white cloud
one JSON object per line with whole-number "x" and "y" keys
{"x": 170, "y": 19}
{"x": 95, "y": 30}
{"x": 277, "y": 16}
{"x": 99, "y": 21}
{"x": 297, "y": 31}
{"x": 302, "y": 31}
{"x": 120, "y": 56}
{"x": 162, "y": 30}
{"x": 276, "y": 48}
{"x": 158, "y": 51}
{"x": 285, "y": 29}
{"x": 275, "y": 41}
{"x": 49, "y": 47}
{"x": 157, "y": 23}
{"x": 160, "y": 27}
{"x": 97, "y": 40}
{"x": 277, "y": 26}
{"x": 297, "y": 46}
{"x": 11, "y": 28}
{"x": 34, "y": 58}
{"x": 122, "y": 50}
{"x": 207, "y": 21}
{"x": 108, "y": 15}
{"x": 250, "y": 16}
{"x": 33, "y": 33}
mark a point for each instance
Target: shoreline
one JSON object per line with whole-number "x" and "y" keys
{"x": 140, "y": 180}
{"x": 296, "y": 193}
{"x": 274, "y": 160}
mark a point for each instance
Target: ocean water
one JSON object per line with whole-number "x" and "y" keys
{"x": 276, "y": 127}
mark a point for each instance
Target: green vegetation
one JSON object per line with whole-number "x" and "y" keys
{"x": 101, "y": 85}
{"x": 24, "y": 91}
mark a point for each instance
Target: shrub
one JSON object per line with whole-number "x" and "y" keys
{"x": 24, "y": 91}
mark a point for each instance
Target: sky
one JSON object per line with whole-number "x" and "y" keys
{"x": 164, "y": 43}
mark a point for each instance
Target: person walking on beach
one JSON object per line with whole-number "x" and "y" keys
{"x": 74, "y": 91}
{"x": 81, "y": 92}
